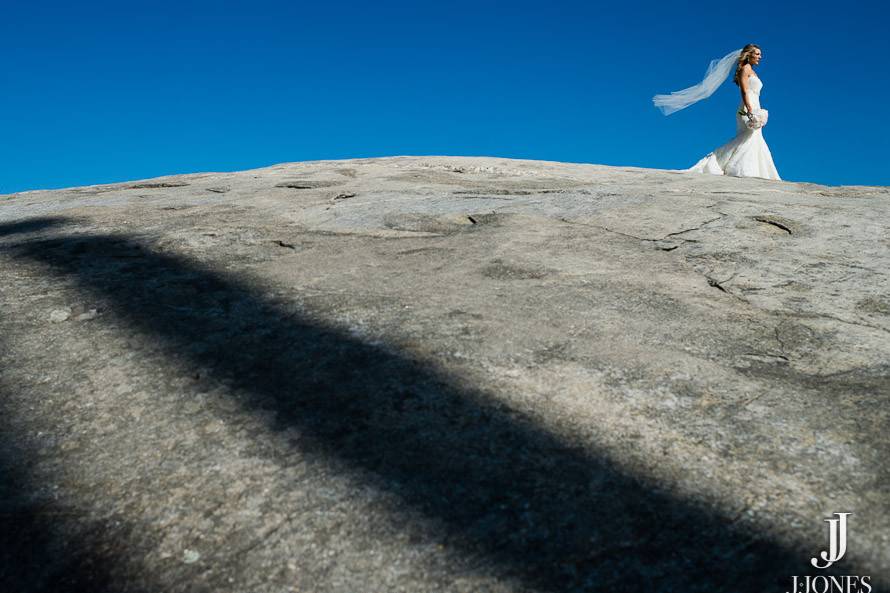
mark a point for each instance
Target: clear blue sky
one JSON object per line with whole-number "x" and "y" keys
{"x": 98, "y": 92}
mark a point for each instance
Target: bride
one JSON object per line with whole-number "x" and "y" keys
{"x": 746, "y": 155}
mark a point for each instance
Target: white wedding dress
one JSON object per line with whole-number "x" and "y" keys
{"x": 746, "y": 155}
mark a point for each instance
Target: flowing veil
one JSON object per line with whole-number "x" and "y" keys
{"x": 717, "y": 72}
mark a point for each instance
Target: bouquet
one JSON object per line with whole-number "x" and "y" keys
{"x": 756, "y": 119}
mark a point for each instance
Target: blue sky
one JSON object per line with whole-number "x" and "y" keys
{"x": 98, "y": 92}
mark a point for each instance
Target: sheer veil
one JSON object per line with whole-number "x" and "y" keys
{"x": 717, "y": 72}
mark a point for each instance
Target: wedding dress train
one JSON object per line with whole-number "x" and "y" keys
{"x": 746, "y": 155}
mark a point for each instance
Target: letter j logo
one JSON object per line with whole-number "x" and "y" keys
{"x": 837, "y": 541}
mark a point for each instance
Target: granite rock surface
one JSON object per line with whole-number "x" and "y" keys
{"x": 442, "y": 374}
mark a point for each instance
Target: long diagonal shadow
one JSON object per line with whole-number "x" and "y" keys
{"x": 557, "y": 517}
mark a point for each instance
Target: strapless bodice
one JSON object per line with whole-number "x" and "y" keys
{"x": 754, "y": 85}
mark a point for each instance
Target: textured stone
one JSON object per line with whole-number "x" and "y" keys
{"x": 442, "y": 374}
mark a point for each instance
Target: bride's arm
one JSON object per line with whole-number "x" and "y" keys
{"x": 743, "y": 87}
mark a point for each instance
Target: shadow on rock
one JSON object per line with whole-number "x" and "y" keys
{"x": 42, "y": 550}
{"x": 509, "y": 494}
{"x": 30, "y": 226}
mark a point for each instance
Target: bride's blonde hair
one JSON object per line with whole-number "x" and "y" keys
{"x": 744, "y": 58}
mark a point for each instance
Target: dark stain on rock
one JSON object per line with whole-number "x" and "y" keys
{"x": 501, "y": 270}
{"x": 553, "y": 352}
{"x": 874, "y": 305}
{"x": 416, "y": 222}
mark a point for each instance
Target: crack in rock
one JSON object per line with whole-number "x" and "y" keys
{"x": 775, "y": 223}
{"x": 307, "y": 184}
{"x": 705, "y": 223}
{"x": 281, "y": 243}
{"x": 158, "y": 185}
